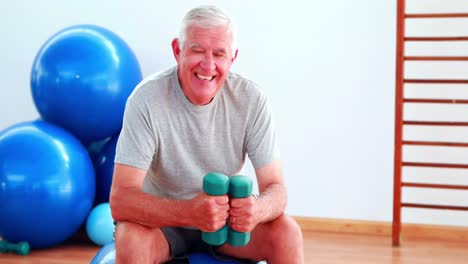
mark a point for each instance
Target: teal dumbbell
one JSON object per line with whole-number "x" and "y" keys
{"x": 239, "y": 187}
{"x": 216, "y": 184}
{"x": 21, "y": 248}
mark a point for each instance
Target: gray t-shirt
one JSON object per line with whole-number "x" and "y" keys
{"x": 177, "y": 142}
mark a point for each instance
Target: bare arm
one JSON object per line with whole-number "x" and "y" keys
{"x": 273, "y": 196}
{"x": 129, "y": 203}
{"x": 271, "y": 203}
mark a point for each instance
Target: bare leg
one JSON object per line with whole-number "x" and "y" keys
{"x": 135, "y": 243}
{"x": 277, "y": 242}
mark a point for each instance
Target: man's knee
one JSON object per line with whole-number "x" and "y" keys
{"x": 136, "y": 242}
{"x": 285, "y": 228}
{"x": 129, "y": 232}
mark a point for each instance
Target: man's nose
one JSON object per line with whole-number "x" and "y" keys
{"x": 208, "y": 62}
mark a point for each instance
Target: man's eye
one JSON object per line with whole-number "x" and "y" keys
{"x": 197, "y": 50}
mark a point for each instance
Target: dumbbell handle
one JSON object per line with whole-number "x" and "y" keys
{"x": 21, "y": 248}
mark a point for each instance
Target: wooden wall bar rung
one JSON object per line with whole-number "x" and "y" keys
{"x": 433, "y": 206}
{"x": 436, "y": 38}
{"x": 435, "y": 165}
{"x": 438, "y": 15}
{"x": 435, "y": 58}
{"x": 436, "y": 101}
{"x": 434, "y": 123}
{"x": 437, "y": 186}
{"x": 435, "y": 143}
{"x": 435, "y": 81}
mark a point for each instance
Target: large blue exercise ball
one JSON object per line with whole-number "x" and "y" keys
{"x": 95, "y": 147}
{"x": 47, "y": 184}
{"x": 205, "y": 258}
{"x": 104, "y": 168}
{"x": 81, "y": 78}
{"x": 106, "y": 255}
{"x": 100, "y": 225}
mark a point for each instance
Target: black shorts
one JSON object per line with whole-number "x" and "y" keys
{"x": 183, "y": 241}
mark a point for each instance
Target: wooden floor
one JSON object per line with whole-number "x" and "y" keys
{"x": 319, "y": 247}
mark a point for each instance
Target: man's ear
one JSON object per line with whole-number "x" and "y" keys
{"x": 176, "y": 48}
{"x": 235, "y": 55}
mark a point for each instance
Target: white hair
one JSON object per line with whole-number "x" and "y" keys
{"x": 207, "y": 16}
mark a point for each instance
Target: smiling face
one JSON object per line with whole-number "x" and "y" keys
{"x": 203, "y": 62}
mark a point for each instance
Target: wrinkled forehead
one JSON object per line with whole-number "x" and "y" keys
{"x": 219, "y": 30}
{"x": 218, "y": 37}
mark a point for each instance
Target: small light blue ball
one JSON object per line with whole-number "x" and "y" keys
{"x": 100, "y": 225}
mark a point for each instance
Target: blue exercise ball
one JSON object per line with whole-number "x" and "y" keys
{"x": 47, "y": 184}
{"x": 81, "y": 78}
{"x": 95, "y": 147}
{"x": 205, "y": 258}
{"x": 100, "y": 225}
{"x": 106, "y": 255}
{"x": 104, "y": 167}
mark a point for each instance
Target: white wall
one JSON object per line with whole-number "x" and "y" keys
{"x": 328, "y": 67}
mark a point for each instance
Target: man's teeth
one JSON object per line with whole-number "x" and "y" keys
{"x": 205, "y": 78}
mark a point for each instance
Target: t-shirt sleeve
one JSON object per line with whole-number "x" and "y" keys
{"x": 137, "y": 143}
{"x": 261, "y": 146}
